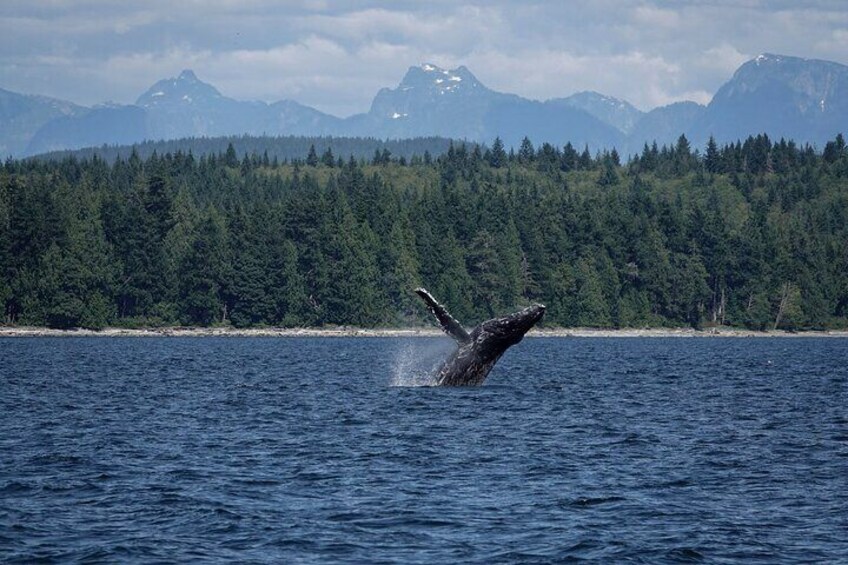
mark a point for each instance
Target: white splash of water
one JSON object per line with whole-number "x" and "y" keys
{"x": 417, "y": 360}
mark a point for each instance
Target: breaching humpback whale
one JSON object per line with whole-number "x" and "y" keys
{"x": 479, "y": 350}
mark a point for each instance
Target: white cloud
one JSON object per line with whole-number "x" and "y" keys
{"x": 335, "y": 55}
{"x": 653, "y": 16}
{"x": 644, "y": 80}
{"x": 724, "y": 58}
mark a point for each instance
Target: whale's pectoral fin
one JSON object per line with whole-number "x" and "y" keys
{"x": 448, "y": 323}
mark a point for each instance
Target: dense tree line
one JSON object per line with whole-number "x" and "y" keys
{"x": 277, "y": 149}
{"x": 751, "y": 234}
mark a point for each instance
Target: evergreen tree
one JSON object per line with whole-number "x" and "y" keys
{"x": 498, "y": 157}
{"x": 608, "y": 175}
{"x": 512, "y": 282}
{"x": 351, "y": 297}
{"x": 205, "y": 273}
{"x": 712, "y": 161}
{"x": 569, "y": 158}
{"x": 230, "y": 157}
{"x": 249, "y": 300}
{"x": 77, "y": 278}
{"x": 591, "y": 309}
{"x": 288, "y": 289}
{"x": 312, "y": 157}
{"x": 526, "y": 153}
{"x": 683, "y": 159}
{"x": 483, "y": 268}
{"x": 585, "y": 161}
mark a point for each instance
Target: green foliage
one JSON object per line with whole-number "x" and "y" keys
{"x": 753, "y": 234}
{"x": 312, "y": 157}
{"x": 482, "y": 263}
{"x": 498, "y": 156}
{"x": 6, "y": 272}
{"x": 205, "y": 273}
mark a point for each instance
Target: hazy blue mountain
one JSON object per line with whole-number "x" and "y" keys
{"x": 288, "y": 117}
{"x": 177, "y": 108}
{"x": 22, "y": 115}
{"x": 110, "y": 125}
{"x": 613, "y": 111}
{"x": 185, "y": 106}
{"x": 188, "y": 107}
{"x": 452, "y": 103}
{"x": 802, "y": 99}
{"x": 806, "y": 100}
{"x": 547, "y": 122}
{"x": 664, "y": 124}
{"x": 429, "y": 100}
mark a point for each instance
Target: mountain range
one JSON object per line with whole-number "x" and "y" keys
{"x": 802, "y": 99}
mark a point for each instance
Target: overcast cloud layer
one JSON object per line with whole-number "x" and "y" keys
{"x": 336, "y": 55}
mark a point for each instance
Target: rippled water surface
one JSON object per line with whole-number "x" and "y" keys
{"x": 302, "y": 450}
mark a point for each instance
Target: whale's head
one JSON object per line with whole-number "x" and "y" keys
{"x": 509, "y": 330}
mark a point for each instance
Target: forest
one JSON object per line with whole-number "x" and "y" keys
{"x": 752, "y": 234}
{"x": 282, "y": 147}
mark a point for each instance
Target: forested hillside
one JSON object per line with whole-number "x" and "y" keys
{"x": 753, "y": 234}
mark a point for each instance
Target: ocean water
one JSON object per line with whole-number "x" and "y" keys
{"x": 325, "y": 450}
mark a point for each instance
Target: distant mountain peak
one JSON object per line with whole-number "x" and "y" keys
{"x": 185, "y": 89}
{"x": 808, "y": 75}
{"x": 778, "y": 59}
{"x": 782, "y": 96}
{"x": 188, "y": 75}
{"x": 433, "y": 77}
{"x": 424, "y": 88}
{"x": 614, "y": 111}
{"x": 592, "y": 95}
{"x": 768, "y": 58}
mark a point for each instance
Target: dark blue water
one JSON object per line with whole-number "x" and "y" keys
{"x": 299, "y": 450}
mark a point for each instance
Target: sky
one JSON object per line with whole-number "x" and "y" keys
{"x": 335, "y": 55}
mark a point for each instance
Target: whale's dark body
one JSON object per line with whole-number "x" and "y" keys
{"x": 479, "y": 349}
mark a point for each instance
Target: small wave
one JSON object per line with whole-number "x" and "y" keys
{"x": 70, "y": 485}
{"x": 590, "y": 501}
{"x": 258, "y": 482}
{"x": 47, "y": 459}
{"x": 672, "y": 483}
{"x": 15, "y": 487}
{"x": 685, "y": 555}
{"x": 583, "y": 546}
{"x": 635, "y": 439}
{"x": 403, "y": 522}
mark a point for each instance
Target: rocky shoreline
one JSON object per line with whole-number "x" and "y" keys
{"x": 29, "y": 331}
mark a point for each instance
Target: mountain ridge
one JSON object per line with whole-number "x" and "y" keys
{"x": 782, "y": 96}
